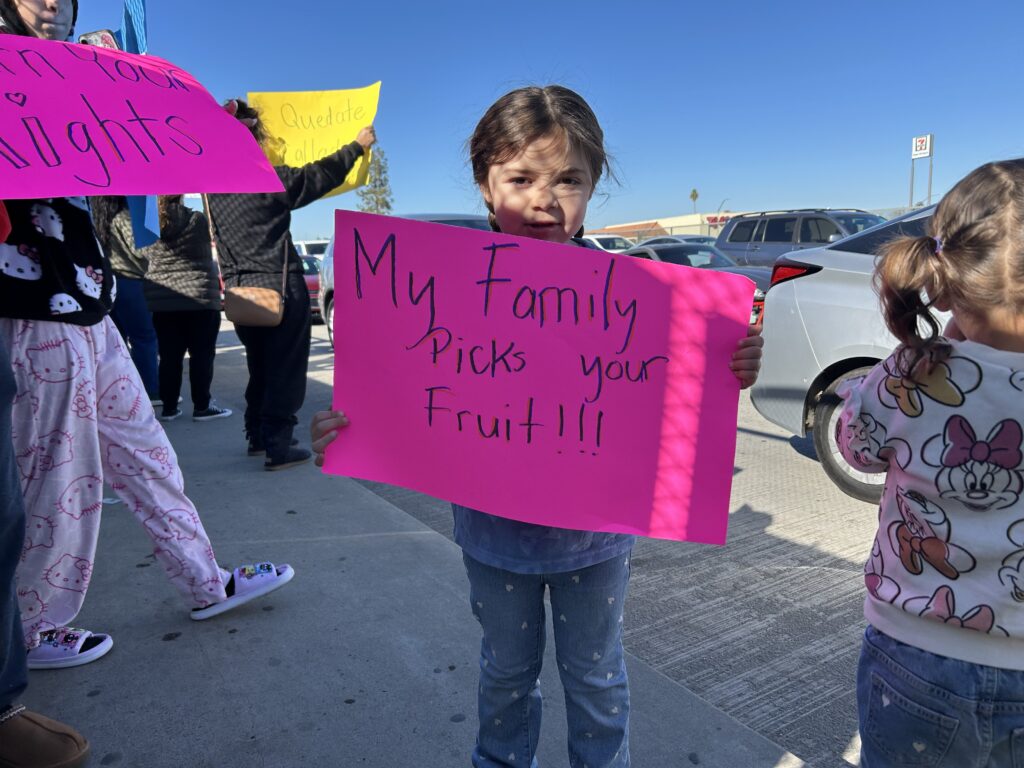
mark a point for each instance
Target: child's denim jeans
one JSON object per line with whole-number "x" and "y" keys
{"x": 586, "y": 613}
{"x": 921, "y": 709}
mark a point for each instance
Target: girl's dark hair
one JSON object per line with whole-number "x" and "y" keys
{"x": 104, "y": 209}
{"x": 524, "y": 115}
{"x": 972, "y": 259}
{"x": 13, "y": 21}
{"x": 244, "y": 111}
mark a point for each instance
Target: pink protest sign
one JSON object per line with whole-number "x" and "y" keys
{"x": 546, "y": 383}
{"x": 83, "y": 120}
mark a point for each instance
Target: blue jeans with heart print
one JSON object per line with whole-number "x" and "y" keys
{"x": 586, "y": 615}
{"x": 924, "y": 710}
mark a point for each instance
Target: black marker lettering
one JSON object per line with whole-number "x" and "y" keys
{"x": 36, "y": 131}
{"x": 137, "y": 118}
{"x": 199, "y": 147}
{"x": 491, "y": 279}
{"x": 103, "y": 125}
{"x": 389, "y": 244}
{"x": 24, "y": 54}
{"x": 89, "y": 146}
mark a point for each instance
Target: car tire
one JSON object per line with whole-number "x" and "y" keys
{"x": 851, "y": 481}
{"x": 329, "y": 320}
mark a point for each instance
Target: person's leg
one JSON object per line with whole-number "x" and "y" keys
{"x": 26, "y": 738}
{"x": 288, "y": 348}
{"x": 919, "y": 708}
{"x": 255, "y": 342}
{"x": 142, "y": 469}
{"x": 586, "y": 613}
{"x": 172, "y": 342}
{"x": 13, "y": 670}
{"x": 203, "y": 327}
{"x": 57, "y": 452}
{"x": 1008, "y": 720}
{"x": 132, "y": 316}
{"x": 510, "y": 609}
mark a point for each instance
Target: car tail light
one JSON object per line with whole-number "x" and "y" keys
{"x": 789, "y": 270}
{"x": 784, "y": 270}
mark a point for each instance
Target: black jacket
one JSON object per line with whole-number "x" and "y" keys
{"x": 182, "y": 274}
{"x": 252, "y": 230}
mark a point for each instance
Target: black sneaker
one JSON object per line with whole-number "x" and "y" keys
{"x": 211, "y": 412}
{"x": 256, "y": 447}
{"x": 292, "y": 457}
{"x": 170, "y": 415}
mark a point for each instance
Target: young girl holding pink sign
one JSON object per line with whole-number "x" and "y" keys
{"x": 537, "y": 155}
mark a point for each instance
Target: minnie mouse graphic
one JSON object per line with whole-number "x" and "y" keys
{"x": 980, "y": 474}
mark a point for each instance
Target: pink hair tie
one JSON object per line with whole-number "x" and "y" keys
{"x": 249, "y": 122}
{"x": 938, "y": 245}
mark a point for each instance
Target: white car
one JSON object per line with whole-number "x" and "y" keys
{"x": 311, "y": 247}
{"x": 823, "y": 324}
{"x": 611, "y": 243}
{"x": 326, "y": 296}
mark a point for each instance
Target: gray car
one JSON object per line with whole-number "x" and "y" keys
{"x": 326, "y": 296}
{"x": 822, "y": 324}
{"x": 703, "y": 256}
{"x": 670, "y": 239}
{"x": 760, "y": 238}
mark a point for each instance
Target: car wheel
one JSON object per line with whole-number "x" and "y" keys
{"x": 329, "y": 320}
{"x": 853, "y": 482}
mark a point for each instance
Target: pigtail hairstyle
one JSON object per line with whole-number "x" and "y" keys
{"x": 524, "y": 115}
{"x": 972, "y": 262}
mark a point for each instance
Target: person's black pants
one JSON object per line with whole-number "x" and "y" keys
{"x": 278, "y": 359}
{"x": 194, "y": 332}
{"x": 13, "y": 666}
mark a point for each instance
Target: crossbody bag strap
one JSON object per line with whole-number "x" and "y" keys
{"x": 284, "y": 266}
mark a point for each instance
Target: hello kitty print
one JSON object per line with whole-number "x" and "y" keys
{"x": 51, "y": 266}
{"x": 80, "y": 420}
{"x": 950, "y": 541}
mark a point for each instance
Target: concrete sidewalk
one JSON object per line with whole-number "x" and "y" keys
{"x": 369, "y": 657}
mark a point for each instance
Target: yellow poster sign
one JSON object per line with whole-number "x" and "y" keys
{"x": 308, "y": 125}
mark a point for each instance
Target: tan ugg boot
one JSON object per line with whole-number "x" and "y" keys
{"x": 30, "y": 740}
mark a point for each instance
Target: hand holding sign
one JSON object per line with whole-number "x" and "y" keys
{"x": 544, "y": 383}
{"x": 83, "y": 120}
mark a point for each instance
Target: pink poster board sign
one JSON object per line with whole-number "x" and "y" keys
{"x": 545, "y": 383}
{"x": 83, "y": 120}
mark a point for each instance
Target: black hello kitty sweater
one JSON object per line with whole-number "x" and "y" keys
{"x": 51, "y": 266}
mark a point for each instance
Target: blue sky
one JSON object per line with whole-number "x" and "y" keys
{"x": 762, "y": 105}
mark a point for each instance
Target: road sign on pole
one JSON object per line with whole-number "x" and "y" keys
{"x": 921, "y": 147}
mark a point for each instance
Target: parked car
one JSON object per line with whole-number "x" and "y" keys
{"x": 705, "y": 256}
{"x": 822, "y": 325}
{"x": 669, "y": 239}
{"x": 311, "y": 274}
{"x": 760, "y": 238}
{"x": 613, "y": 243}
{"x": 326, "y": 297}
{"x": 311, "y": 247}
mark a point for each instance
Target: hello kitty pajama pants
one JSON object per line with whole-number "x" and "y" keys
{"x": 82, "y": 416}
